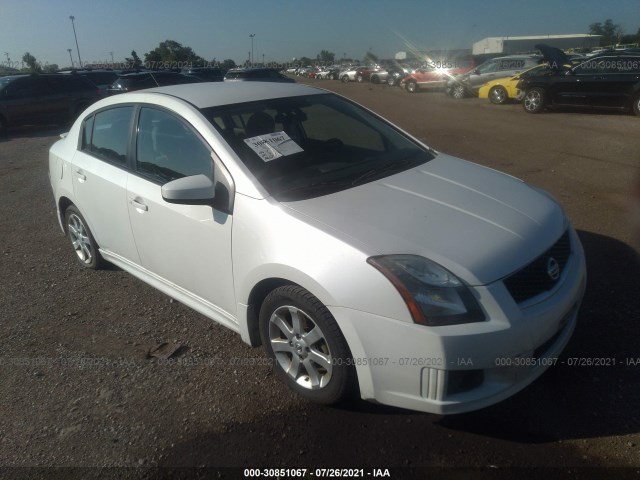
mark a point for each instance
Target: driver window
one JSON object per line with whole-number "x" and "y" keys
{"x": 167, "y": 148}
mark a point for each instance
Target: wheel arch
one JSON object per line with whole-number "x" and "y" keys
{"x": 63, "y": 204}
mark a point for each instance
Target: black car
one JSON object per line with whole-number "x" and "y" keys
{"x": 205, "y": 74}
{"x": 609, "y": 80}
{"x": 43, "y": 99}
{"x": 100, "y": 78}
{"x": 256, "y": 75}
{"x": 140, "y": 80}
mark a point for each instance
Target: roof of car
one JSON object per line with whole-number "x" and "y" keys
{"x": 211, "y": 94}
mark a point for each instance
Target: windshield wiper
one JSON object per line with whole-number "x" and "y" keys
{"x": 386, "y": 169}
{"x": 313, "y": 188}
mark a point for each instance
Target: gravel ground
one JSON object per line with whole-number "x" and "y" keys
{"x": 79, "y": 389}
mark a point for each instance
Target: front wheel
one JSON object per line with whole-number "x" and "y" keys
{"x": 498, "y": 95}
{"x": 306, "y": 346}
{"x": 636, "y": 105}
{"x": 82, "y": 239}
{"x": 359, "y": 78}
{"x": 345, "y": 79}
{"x": 534, "y": 100}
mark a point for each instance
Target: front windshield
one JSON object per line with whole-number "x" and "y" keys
{"x": 308, "y": 146}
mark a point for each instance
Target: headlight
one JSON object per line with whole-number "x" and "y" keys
{"x": 433, "y": 295}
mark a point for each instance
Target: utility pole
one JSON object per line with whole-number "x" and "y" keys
{"x": 70, "y": 57}
{"x": 72, "y": 18}
{"x": 252, "y": 35}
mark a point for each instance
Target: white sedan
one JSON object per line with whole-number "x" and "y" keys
{"x": 362, "y": 260}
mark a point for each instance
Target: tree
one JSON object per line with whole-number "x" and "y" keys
{"x": 31, "y": 62}
{"x": 326, "y": 57}
{"x": 304, "y": 61}
{"x": 134, "y": 61}
{"x": 171, "y": 54}
{"x": 611, "y": 32}
{"x": 370, "y": 57}
{"x": 228, "y": 64}
{"x": 51, "y": 68}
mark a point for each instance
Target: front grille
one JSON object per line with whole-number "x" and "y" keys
{"x": 534, "y": 279}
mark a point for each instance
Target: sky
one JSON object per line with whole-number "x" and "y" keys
{"x": 284, "y": 29}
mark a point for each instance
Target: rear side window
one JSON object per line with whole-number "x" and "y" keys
{"x": 106, "y": 134}
{"x": 511, "y": 64}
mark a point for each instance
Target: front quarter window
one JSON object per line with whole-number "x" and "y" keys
{"x": 168, "y": 149}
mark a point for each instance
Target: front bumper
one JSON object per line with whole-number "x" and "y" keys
{"x": 460, "y": 368}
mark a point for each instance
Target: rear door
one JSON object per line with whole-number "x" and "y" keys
{"x": 100, "y": 170}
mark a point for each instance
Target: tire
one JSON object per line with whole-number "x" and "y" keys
{"x": 458, "y": 91}
{"x": 411, "y": 86}
{"x": 82, "y": 240}
{"x": 305, "y": 344}
{"x": 498, "y": 95}
{"x": 359, "y": 78}
{"x": 534, "y": 100}
{"x": 391, "y": 81}
{"x": 345, "y": 79}
{"x": 636, "y": 105}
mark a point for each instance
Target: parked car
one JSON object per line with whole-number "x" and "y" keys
{"x": 435, "y": 74}
{"x": 609, "y": 81}
{"x": 396, "y": 74}
{"x": 43, "y": 99}
{"x": 501, "y": 90}
{"x": 100, "y": 78}
{"x": 468, "y": 84}
{"x": 257, "y": 74}
{"x": 312, "y": 226}
{"x": 205, "y": 74}
{"x": 364, "y": 73}
{"x": 348, "y": 74}
{"x": 131, "y": 82}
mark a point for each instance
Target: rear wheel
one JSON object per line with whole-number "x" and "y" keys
{"x": 308, "y": 351}
{"x": 458, "y": 91}
{"x": 391, "y": 81}
{"x": 636, "y": 105}
{"x": 534, "y": 100}
{"x": 345, "y": 79}
{"x": 82, "y": 239}
{"x": 411, "y": 86}
{"x": 498, "y": 95}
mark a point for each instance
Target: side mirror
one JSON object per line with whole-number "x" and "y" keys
{"x": 192, "y": 190}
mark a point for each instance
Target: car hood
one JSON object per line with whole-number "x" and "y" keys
{"x": 478, "y": 223}
{"x": 554, "y": 56}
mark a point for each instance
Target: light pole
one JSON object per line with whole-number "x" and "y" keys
{"x": 252, "y": 35}
{"x": 72, "y": 18}
{"x": 70, "y": 57}
{"x": 112, "y": 62}
{"x": 8, "y": 59}
{"x": 263, "y": 59}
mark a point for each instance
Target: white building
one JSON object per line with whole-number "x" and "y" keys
{"x": 509, "y": 45}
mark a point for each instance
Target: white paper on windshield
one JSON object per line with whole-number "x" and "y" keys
{"x": 273, "y": 145}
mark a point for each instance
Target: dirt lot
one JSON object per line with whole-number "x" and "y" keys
{"x": 77, "y": 388}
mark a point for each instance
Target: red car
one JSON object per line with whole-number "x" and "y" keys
{"x": 364, "y": 73}
{"x": 435, "y": 74}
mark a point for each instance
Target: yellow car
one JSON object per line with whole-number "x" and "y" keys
{"x": 500, "y": 90}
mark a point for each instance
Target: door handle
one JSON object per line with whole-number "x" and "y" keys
{"x": 80, "y": 176}
{"x": 139, "y": 206}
